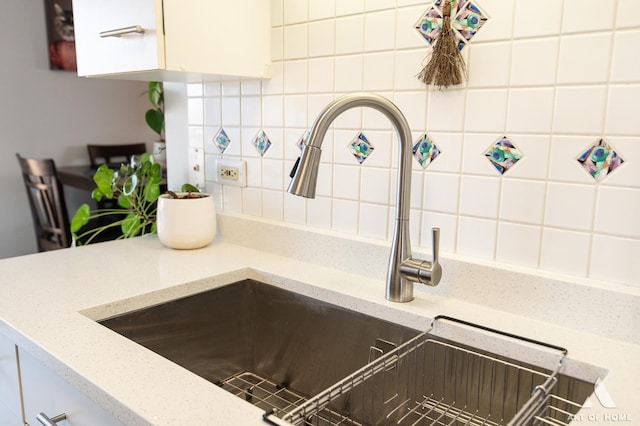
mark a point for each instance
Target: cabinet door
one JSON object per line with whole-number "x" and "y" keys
{"x": 45, "y": 392}
{"x": 10, "y": 405}
{"x": 128, "y": 52}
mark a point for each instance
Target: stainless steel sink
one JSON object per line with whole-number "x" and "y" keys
{"x": 255, "y": 339}
{"x": 320, "y": 364}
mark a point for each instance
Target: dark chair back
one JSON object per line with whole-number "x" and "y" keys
{"x": 48, "y": 206}
{"x": 114, "y": 154}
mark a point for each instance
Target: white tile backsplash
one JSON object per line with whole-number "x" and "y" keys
{"x": 584, "y": 58}
{"x": 518, "y": 244}
{"x": 626, "y": 67}
{"x": 535, "y": 18}
{"x": 377, "y": 27}
{"x": 321, "y": 38}
{"x": 534, "y": 62}
{"x": 479, "y": 196}
{"x": 522, "y": 201}
{"x": 617, "y": 212}
{"x": 587, "y": 15}
{"x": 552, "y": 76}
{"x": 530, "y": 110}
{"x": 566, "y": 252}
{"x": 570, "y": 206}
{"x": 622, "y": 110}
{"x": 574, "y": 111}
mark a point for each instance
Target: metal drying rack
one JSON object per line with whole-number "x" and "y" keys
{"x": 429, "y": 381}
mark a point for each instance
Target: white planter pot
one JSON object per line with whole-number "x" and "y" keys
{"x": 186, "y": 223}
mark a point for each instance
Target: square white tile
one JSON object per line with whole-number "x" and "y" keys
{"x": 570, "y": 206}
{"x": 476, "y": 237}
{"x": 373, "y": 220}
{"x": 522, "y": 201}
{"x": 530, "y": 110}
{"x": 349, "y": 34}
{"x": 543, "y": 53}
{"x": 566, "y": 252}
{"x": 584, "y": 58}
{"x": 617, "y": 212}
{"x": 518, "y": 244}
{"x": 321, "y": 38}
{"x": 479, "y": 196}
{"x": 379, "y": 30}
{"x": 579, "y": 110}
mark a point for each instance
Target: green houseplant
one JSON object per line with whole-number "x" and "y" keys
{"x": 136, "y": 188}
{"x": 154, "y": 117}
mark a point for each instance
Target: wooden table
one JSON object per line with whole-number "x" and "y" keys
{"x": 78, "y": 176}
{"x": 82, "y": 177}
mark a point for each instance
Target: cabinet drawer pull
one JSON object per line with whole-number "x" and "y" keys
{"x": 120, "y": 31}
{"x": 46, "y": 421}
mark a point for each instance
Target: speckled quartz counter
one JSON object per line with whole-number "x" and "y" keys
{"x": 49, "y": 303}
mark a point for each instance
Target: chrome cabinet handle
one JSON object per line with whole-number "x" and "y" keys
{"x": 120, "y": 31}
{"x": 46, "y": 421}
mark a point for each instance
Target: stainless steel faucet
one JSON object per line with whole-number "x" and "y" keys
{"x": 403, "y": 270}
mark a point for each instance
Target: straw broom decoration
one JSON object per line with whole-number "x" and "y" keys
{"x": 446, "y": 66}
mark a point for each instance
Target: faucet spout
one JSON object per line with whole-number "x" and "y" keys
{"x": 403, "y": 269}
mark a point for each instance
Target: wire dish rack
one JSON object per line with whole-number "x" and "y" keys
{"x": 428, "y": 381}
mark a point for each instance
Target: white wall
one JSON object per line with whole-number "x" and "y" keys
{"x": 553, "y": 75}
{"x": 51, "y": 114}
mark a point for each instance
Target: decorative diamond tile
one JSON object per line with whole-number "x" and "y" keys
{"x": 262, "y": 142}
{"x": 430, "y": 25}
{"x": 503, "y": 155}
{"x": 425, "y": 151}
{"x": 303, "y": 139}
{"x": 221, "y": 140}
{"x": 600, "y": 159}
{"x": 360, "y": 147}
{"x": 466, "y": 20}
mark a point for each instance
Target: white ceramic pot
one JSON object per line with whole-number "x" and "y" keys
{"x": 186, "y": 223}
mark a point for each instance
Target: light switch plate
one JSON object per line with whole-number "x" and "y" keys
{"x": 231, "y": 172}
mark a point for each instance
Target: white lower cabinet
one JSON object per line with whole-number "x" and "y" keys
{"x": 10, "y": 405}
{"x": 45, "y": 392}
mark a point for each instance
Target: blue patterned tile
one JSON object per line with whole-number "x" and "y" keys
{"x": 425, "y": 151}
{"x": 262, "y": 143}
{"x": 221, "y": 140}
{"x": 466, "y": 19}
{"x": 600, "y": 159}
{"x": 430, "y": 25}
{"x": 360, "y": 147}
{"x": 503, "y": 155}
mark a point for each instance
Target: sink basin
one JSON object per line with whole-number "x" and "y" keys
{"x": 314, "y": 363}
{"x": 257, "y": 340}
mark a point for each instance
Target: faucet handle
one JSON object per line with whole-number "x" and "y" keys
{"x": 435, "y": 245}
{"x": 424, "y": 271}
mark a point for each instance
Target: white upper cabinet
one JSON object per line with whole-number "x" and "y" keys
{"x": 173, "y": 40}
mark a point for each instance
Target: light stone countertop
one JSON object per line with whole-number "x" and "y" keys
{"x": 49, "y": 303}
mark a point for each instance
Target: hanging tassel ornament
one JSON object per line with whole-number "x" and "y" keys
{"x": 446, "y": 66}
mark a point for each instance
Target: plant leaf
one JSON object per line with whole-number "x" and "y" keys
{"x": 151, "y": 191}
{"x": 187, "y": 187}
{"x": 156, "y": 93}
{"x": 131, "y": 225}
{"x": 96, "y": 194}
{"x": 103, "y": 178}
{"x": 81, "y": 218}
{"x": 124, "y": 201}
{"x": 130, "y": 185}
{"x": 155, "y": 120}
